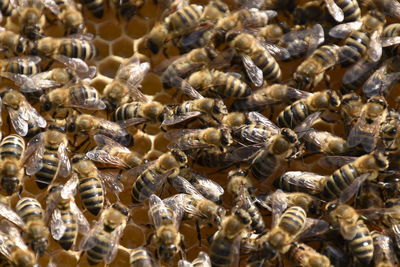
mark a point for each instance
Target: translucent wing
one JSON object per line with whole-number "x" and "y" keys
{"x": 158, "y": 210}
{"x": 83, "y": 224}
{"x": 52, "y": 6}
{"x": 104, "y": 157}
{"x": 278, "y": 205}
{"x": 135, "y": 172}
{"x": 21, "y": 60}
{"x": 258, "y": 118}
{"x": 277, "y": 51}
{"x": 187, "y": 89}
{"x": 14, "y": 234}
{"x": 112, "y": 129}
{"x": 68, "y": 190}
{"x": 305, "y": 126}
{"x": 82, "y": 36}
{"x": 184, "y": 263}
{"x": 102, "y": 140}
{"x": 307, "y": 182}
{"x": 379, "y": 82}
{"x": 208, "y": 188}
{"x": 245, "y": 153}
{"x": 89, "y": 240}
{"x": 334, "y": 10}
{"x": 175, "y": 119}
{"x": 114, "y": 243}
{"x": 78, "y": 66}
{"x": 343, "y": 30}
{"x": 390, "y": 7}
{"x": 138, "y": 73}
{"x": 183, "y": 143}
{"x": 317, "y": 37}
{"x": 19, "y": 123}
{"x": 65, "y": 164}
{"x": 111, "y": 180}
{"x": 314, "y": 227}
{"x": 204, "y": 258}
{"x": 255, "y": 73}
{"x": 184, "y": 186}
{"x": 375, "y": 47}
{"x": 11, "y": 215}
{"x": 33, "y": 155}
{"x": 357, "y": 70}
{"x": 131, "y": 122}
{"x": 351, "y": 190}
{"x": 335, "y": 161}
{"x": 57, "y": 226}
{"x": 389, "y": 41}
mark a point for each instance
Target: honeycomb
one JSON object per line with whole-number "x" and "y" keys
{"x": 115, "y": 40}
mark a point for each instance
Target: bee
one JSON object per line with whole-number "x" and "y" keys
{"x": 166, "y": 222}
{"x": 239, "y": 183}
{"x": 350, "y": 110}
{"x": 269, "y": 95}
{"x": 79, "y": 95}
{"x": 344, "y": 10}
{"x": 366, "y": 130}
{"x": 71, "y": 17}
{"x": 225, "y": 243}
{"x": 353, "y": 229}
{"x": 6, "y": 8}
{"x": 246, "y": 203}
{"x": 324, "y": 142}
{"x": 140, "y": 257}
{"x": 95, "y": 7}
{"x": 294, "y": 114}
{"x": 47, "y": 155}
{"x": 185, "y": 65}
{"x": 12, "y": 42}
{"x": 26, "y": 65}
{"x": 312, "y": 70}
{"x": 211, "y": 157}
{"x": 391, "y": 30}
{"x": 13, "y": 248}
{"x": 305, "y": 255}
{"x": 389, "y": 133}
{"x": 336, "y": 255}
{"x": 65, "y": 216}
{"x": 202, "y": 260}
{"x": 127, "y": 8}
{"x": 110, "y": 152}
{"x": 208, "y": 110}
{"x": 126, "y": 82}
{"x": 87, "y": 124}
{"x": 369, "y": 196}
{"x": 257, "y": 60}
{"x": 152, "y": 175}
{"x": 78, "y": 46}
{"x": 310, "y": 12}
{"x": 187, "y": 139}
{"x": 384, "y": 253}
{"x": 31, "y": 16}
{"x": 92, "y": 183}
{"x": 12, "y": 149}
{"x": 31, "y": 212}
{"x": 201, "y": 36}
{"x": 22, "y": 115}
{"x": 367, "y": 166}
{"x": 101, "y": 243}
{"x": 217, "y": 83}
{"x": 298, "y": 181}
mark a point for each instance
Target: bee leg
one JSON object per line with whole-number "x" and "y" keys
{"x": 327, "y": 80}
{"x": 144, "y": 127}
{"x": 198, "y": 232}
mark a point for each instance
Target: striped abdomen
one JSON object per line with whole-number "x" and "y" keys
{"x": 12, "y": 146}
{"x": 96, "y": 7}
{"x": 355, "y": 47}
{"x": 339, "y": 180}
{"x": 127, "y": 111}
{"x": 144, "y": 186}
{"x": 29, "y": 209}
{"x": 70, "y": 222}
{"x": 50, "y": 167}
{"x": 264, "y": 165}
{"x": 21, "y": 66}
{"x": 361, "y": 245}
{"x": 84, "y": 95}
{"x": 257, "y": 221}
{"x": 229, "y": 86}
{"x": 76, "y": 48}
{"x": 351, "y": 10}
{"x": 270, "y": 68}
{"x": 184, "y": 19}
{"x": 293, "y": 220}
{"x": 92, "y": 194}
{"x": 293, "y": 115}
{"x": 140, "y": 257}
{"x": 6, "y": 8}
{"x": 392, "y": 30}
{"x": 211, "y": 158}
{"x": 221, "y": 253}
{"x": 101, "y": 248}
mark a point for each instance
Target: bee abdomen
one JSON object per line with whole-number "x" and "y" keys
{"x": 269, "y": 66}
{"x": 185, "y": 18}
{"x": 293, "y": 115}
{"x": 92, "y": 194}
{"x": 293, "y": 219}
{"x": 126, "y": 111}
{"x": 350, "y": 9}
{"x": 362, "y": 245}
{"x": 70, "y": 234}
{"x": 12, "y": 146}
{"x": 144, "y": 186}
{"x": 339, "y": 180}
{"x": 96, "y": 254}
{"x": 49, "y": 170}
{"x": 264, "y": 166}
{"x": 78, "y": 49}
{"x": 220, "y": 252}
{"x": 22, "y": 67}
{"x": 29, "y": 208}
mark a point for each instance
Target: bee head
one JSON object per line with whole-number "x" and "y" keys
{"x": 289, "y": 135}
{"x": 381, "y": 160}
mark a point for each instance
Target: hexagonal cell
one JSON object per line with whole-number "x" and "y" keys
{"x": 99, "y": 84}
{"x": 102, "y": 48}
{"x": 164, "y": 98}
{"x": 122, "y": 47}
{"x": 161, "y": 143}
{"x": 137, "y": 27}
{"x": 128, "y": 241}
{"x": 109, "y": 30}
{"x": 151, "y": 84}
{"x": 142, "y": 143}
{"x": 109, "y": 67}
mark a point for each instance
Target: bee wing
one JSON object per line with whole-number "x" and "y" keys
{"x": 157, "y": 209}
{"x": 29, "y": 113}
{"x": 137, "y": 74}
{"x": 357, "y": 70}
{"x": 389, "y": 41}
{"x": 102, "y": 140}
{"x": 207, "y": 187}
{"x": 14, "y": 234}
{"x": 82, "y": 36}
{"x": 245, "y": 153}
{"x": 52, "y": 6}
{"x": 175, "y": 119}
{"x": 311, "y": 182}
{"x": 131, "y": 122}
{"x": 343, "y": 30}
{"x": 379, "y": 82}
{"x": 184, "y": 263}
{"x": 182, "y": 185}
{"x": 305, "y": 126}
{"x": 83, "y": 224}
{"x": 334, "y": 10}
{"x": 277, "y": 51}
{"x": 317, "y": 37}
{"x": 204, "y": 258}
{"x": 65, "y": 164}
{"x": 390, "y": 7}
{"x": 255, "y": 73}
{"x": 111, "y": 128}
{"x": 351, "y": 190}
{"x": 114, "y": 243}
{"x": 314, "y": 227}
{"x": 35, "y": 153}
{"x": 78, "y": 66}
{"x": 68, "y": 190}
{"x": 11, "y": 215}
{"x": 396, "y": 232}
{"x": 257, "y": 135}
{"x": 111, "y": 180}
{"x": 187, "y": 89}
{"x": 89, "y": 240}
{"x": 190, "y": 39}
{"x": 278, "y": 205}
{"x": 19, "y": 123}
{"x": 375, "y": 47}
{"x": 335, "y": 161}
{"x": 258, "y": 118}
{"x": 104, "y": 157}
{"x": 57, "y": 226}
{"x": 22, "y": 59}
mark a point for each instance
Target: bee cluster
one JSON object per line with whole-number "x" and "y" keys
{"x": 209, "y": 133}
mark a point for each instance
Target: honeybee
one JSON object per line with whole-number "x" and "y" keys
{"x": 391, "y": 30}
{"x": 152, "y": 175}
{"x": 202, "y": 260}
{"x": 65, "y": 217}
{"x": 47, "y": 155}
{"x": 208, "y": 110}
{"x": 26, "y": 65}
{"x": 35, "y": 229}
{"x": 211, "y": 157}
{"x": 246, "y": 203}
{"x": 166, "y": 222}
{"x": 127, "y": 8}
{"x": 357, "y": 75}
{"x": 126, "y": 82}
{"x": 201, "y": 36}
{"x": 87, "y": 124}
{"x": 6, "y": 8}
{"x": 353, "y": 229}
{"x": 110, "y": 152}
{"x": 350, "y": 110}
{"x": 239, "y": 183}
{"x": 14, "y": 249}
{"x": 224, "y": 248}
{"x": 336, "y": 255}
{"x": 298, "y": 181}
{"x": 365, "y": 167}
{"x": 95, "y": 7}
{"x": 366, "y": 130}
{"x": 312, "y": 70}
{"x": 12, "y": 42}
{"x": 70, "y": 16}
{"x": 12, "y": 149}
{"x": 92, "y": 183}
{"x": 80, "y": 95}
{"x": 306, "y": 256}
{"x": 77, "y": 46}
{"x": 31, "y": 16}
{"x": 324, "y": 142}
{"x": 384, "y": 253}
{"x": 344, "y": 10}
{"x": 369, "y": 196}
{"x": 269, "y": 95}
{"x": 22, "y": 115}
{"x": 217, "y": 83}
{"x": 294, "y": 114}
{"x": 389, "y": 133}
{"x": 140, "y": 257}
{"x": 101, "y": 243}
